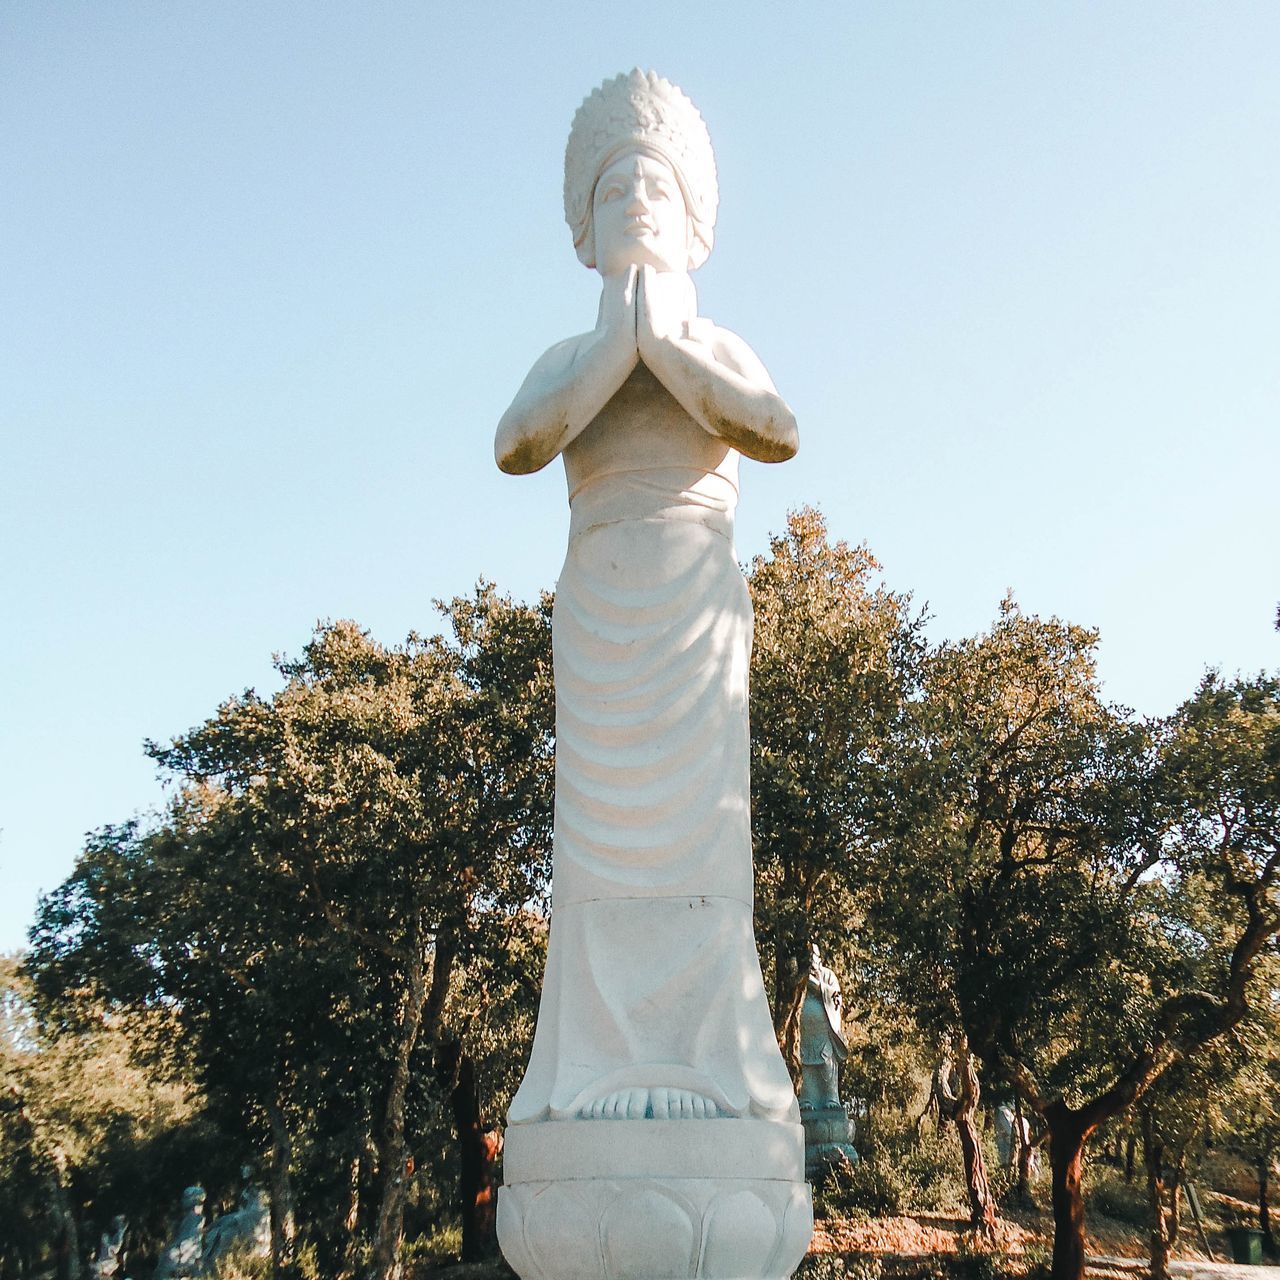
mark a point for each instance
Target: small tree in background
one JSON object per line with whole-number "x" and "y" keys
{"x": 100, "y": 1117}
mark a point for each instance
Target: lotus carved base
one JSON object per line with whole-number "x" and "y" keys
{"x": 655, "y": 1200}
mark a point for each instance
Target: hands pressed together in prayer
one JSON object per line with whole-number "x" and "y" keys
{"x": 650, "y": 316}
{"x": 642, "y": 311}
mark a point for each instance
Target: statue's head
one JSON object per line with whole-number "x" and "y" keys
{"x": 193, "y": 1198}
{"x": 638, "y": 144}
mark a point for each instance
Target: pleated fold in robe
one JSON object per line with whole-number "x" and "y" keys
{"x": 652, "y": 975}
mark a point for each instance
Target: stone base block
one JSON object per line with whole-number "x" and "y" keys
{"x": 826, "y": 1124}
{"x": 828, "y": 1138}
{"x": 654, "y": 1200}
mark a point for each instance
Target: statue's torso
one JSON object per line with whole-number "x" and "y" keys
{"x": 644, "y": 456}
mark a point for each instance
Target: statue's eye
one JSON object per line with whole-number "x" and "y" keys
{"x": 611, "y": 192}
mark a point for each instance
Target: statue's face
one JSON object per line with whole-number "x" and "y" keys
{"x": 639, "y": 217}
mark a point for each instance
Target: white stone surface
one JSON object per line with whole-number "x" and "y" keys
{"x": 653, "y": 1019}
{"x": 587, "y": 1199}
{"x": 183, "y": 1256}
{"x": 708, "y": 1148}
{"x": 245, "y": 1232}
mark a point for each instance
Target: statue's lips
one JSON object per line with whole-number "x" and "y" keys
{"x": 638, "y": 229}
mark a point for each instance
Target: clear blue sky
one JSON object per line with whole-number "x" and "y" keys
{"x": 269, "y": 274}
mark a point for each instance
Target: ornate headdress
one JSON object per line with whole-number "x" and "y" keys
{"x": 639, "y": 111}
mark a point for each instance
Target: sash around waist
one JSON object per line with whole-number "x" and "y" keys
{"x": 685, "y": 494}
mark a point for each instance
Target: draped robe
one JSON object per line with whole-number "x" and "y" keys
{"x": 652, "y": 977}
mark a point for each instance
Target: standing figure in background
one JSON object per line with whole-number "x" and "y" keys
{"x": 106, "y": 1265}
{"x": 185, "y": 1253}
{"x": 828, "y": 1130}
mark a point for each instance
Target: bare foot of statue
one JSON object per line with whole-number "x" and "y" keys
{"x": 652, "y": 1104}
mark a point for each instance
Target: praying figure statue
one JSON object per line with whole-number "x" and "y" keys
{"x": 652, "y": 1005}
{"x": 184, "y": 1253}
{"x": 106, "y": 1265}
{"x": 655, "y": 1132}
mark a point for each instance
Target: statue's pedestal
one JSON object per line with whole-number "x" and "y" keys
{"x": 723, "y": 1199}
{"x": 828, "y": 1137}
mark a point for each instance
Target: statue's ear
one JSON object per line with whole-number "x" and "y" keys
{"x": 698, "y": 249}
{"x": 587, "y": 249}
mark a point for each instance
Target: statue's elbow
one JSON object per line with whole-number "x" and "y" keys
{"x": 788, "y": 438}
{"x": 512, "y": 461}
{"x": 784, "y": 437}
{"x": 517, "y": 456}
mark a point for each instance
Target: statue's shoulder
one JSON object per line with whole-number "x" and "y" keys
{"x": 728, "y": 348}
{"x": 561, "y": 354}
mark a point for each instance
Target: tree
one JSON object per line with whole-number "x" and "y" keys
{"x": 93, "y": 1116}
{"x": 338, "y": 857}
{"x": 834, "y": 665}
{"x": 1173, "y": 1115}
{"x": 1049, "y": 890}
{"x": 1012, "y": 739}
{"x": 1250, "y": 1125}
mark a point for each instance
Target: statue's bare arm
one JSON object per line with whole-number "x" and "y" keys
{"x": 570, "y": 384}
{"x": 717, "y": 379}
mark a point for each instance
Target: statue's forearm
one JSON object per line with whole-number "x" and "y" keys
{"x": 745, "y": 413}
{"x": 557, "y": 400}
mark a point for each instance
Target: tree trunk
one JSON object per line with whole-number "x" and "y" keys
{"x": 393, "y": 1152}
{"x": 942, "y": 1100}
{"x": 1157, "y": 1196}
{"x": 1130, "y": 1148}
{"x": 1175, "y": 1201}
{"x": 1264, "y": 1212}
{"x": 67, "y": 1261}
{"x": 478, "y": 1147}
{"x": 1067, "y": 1136}
{"x": 982, "y": 1216}
{"x": 350, "y": 1217}
{"x": 282, "y": 1209}
{"x": 1160, "y": 1242}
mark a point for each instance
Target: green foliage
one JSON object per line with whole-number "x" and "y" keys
{"x": 349, "y": 875}
{"x": 345, "y": 903}
{"x": 1004, "y": 896}
{"x": 239, "y": 1265}
{"x": 895, "y": 1176}
{"x": 975, "y": 1263}
{"x": 99, "y": 1118}
{"x": 1037, "y": 1262}
{"x": 833, "y": 670}
{"x": 436, "y": 1248}
{"x": 1109, "y": 1194}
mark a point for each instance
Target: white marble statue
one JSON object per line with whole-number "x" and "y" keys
{"x": 1007, "y": 1145}
{"x": 653, "y": 1008}
{"x": 245, "y": 1231}
{"x": 183, "y": 1256}
{"x": 106, "y": 1265}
